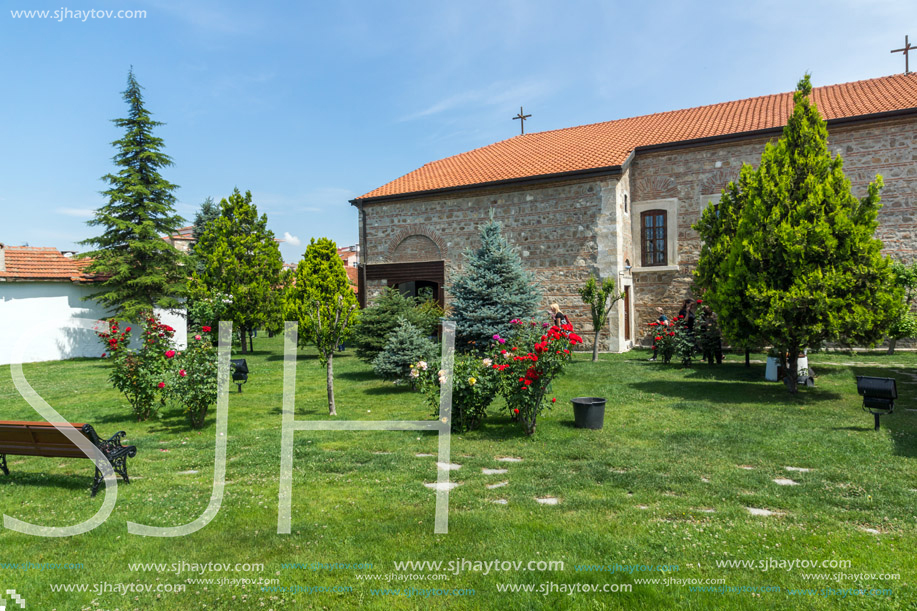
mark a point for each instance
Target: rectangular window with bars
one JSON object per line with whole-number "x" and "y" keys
{"x": 653, "y": 237}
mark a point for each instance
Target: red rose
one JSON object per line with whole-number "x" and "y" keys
{"x": 516, "y": 411}
{"x": 553, "y": 399}
{"x": 162, "y": 385}
{"x": 657, "y": 338}
{"x": 170, "y": 354}
{"x": 103, "y": 355}
{"x": 112, "y": 342}
{"x": 205, "y": 329}
{"x": 128, "y": 329}
{"x": 182, "y": 373}
{"x": 700, "y": 301}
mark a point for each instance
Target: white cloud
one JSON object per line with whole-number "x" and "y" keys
{"x": 292, "y": 240}
{"x": 77, "y": 212}
{"x": 497, "y": 94}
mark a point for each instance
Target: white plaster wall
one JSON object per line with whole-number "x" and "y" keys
{"x": 43, "y": 313}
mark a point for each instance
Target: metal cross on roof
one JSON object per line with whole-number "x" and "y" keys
{"x": 907, "y": 49}
{"x": 522, "y": 117}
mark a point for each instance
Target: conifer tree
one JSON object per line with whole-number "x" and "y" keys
{"x": 492, "y": 290}
{"x": 380, "y": 319}
{"x": 142, "y": 270}
{"x": 803, "y": 267}
{"x": 404, "y": 346}
{"x": 240, "y": 259}
{"x": 323, "y": 303}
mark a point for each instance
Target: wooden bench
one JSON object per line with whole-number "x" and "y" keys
{"x": 43, "y": 439}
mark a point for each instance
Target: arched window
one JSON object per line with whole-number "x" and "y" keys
{"x": 653, "y": 238}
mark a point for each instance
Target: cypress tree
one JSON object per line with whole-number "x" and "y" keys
{"x": 804, "y": 266}
{"x": 141, "y": 268}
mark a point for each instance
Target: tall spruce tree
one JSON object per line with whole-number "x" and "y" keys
{"x": 323, "y": 303}
{"x": 208, "y": 212}
{"x": 803, "y": 267}
{"x": 241, "y": 259}
{"x": 492, "y": 290}
{"x": 143, "y": 271}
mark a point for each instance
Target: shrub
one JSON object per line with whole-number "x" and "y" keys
{"x": 140, "y": 374}
{"x": 379, "y": 320}
{"x": 193, "y": 380}
{"x": 404, "y": 346}
{"x": 537, "y": 353}
{"x": 663, "y": 339}
{"x": 475, "y": 384}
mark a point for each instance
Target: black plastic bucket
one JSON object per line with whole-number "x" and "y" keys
{"x": 588, "y": 412}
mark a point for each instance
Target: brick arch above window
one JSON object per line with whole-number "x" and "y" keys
{"x": 656, "y": 187}
{"x": 717, "y": 181}
{"x": 416, "y": 243}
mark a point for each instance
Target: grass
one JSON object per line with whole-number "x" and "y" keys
{"x": 633, "y": 493}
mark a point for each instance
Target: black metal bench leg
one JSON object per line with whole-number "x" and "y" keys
{"x": 96, "y": 482}
{"x": 120, "y": 467}
{"x": 3, "y": 464}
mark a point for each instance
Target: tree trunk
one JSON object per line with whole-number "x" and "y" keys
{"x": 891, "y": 345}
{"x": 595, "y": 347}
{"x": 242, "y": 333}
{"x": 331, "y": 410}
{"x": 792, "y": 375}
{"x": 748, "y": 357}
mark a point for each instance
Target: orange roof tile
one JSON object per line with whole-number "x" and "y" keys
{"x": 33, "y": 263}
{"x": 608, "y": 145}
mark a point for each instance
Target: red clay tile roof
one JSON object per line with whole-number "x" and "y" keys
{"x": 182, "y": 233}
{"x": 603, "y": 145}
{"x": 31, "y": 263}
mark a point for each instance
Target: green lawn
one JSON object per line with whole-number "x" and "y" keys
{"x": 638, "y": 492}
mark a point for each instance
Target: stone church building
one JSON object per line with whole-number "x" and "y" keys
{"x": 618, "y": 199}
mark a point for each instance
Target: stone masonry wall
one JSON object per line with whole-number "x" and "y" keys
{"x": 553, "y": 228}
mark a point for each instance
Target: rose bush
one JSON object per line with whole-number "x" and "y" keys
{"x": 140, "y": 373}
{"x": 474, "y": 386}
{"x": 193, "y": 380}
{"x": 663, "y": 339}
{"x": 538, "y": 353}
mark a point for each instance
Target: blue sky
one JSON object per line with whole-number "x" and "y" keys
{"x": 309, "y": 104}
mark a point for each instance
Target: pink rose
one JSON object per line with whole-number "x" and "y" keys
{"x": 197, "y": 337}
{"x": 170, "y": 354}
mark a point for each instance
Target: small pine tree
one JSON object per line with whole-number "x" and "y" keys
{"x": 493, "y": 290}
{"x": 404, "y": 346}
{"x": 141, "y": 268}
{"x": 381, "y": 318}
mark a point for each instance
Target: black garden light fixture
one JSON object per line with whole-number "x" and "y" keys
{"x": 879, "y": 395}
{"x": 239, "y": 372}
